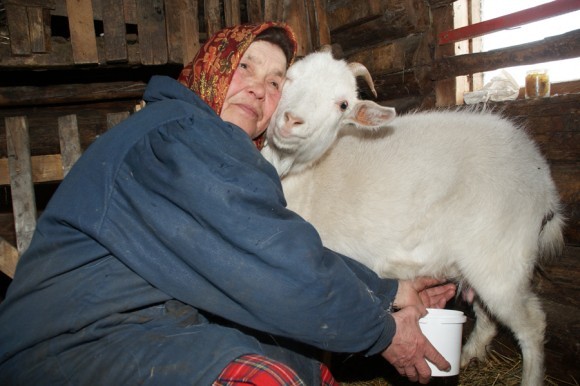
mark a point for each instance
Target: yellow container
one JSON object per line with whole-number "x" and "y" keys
{"x": 537, "y": 84}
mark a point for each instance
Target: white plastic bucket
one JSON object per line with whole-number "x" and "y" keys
{"x": 444, "y": 329}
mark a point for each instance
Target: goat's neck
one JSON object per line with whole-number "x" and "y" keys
{"x": 283, "y": 165}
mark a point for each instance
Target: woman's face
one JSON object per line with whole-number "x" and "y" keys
{"x": 255, "y": 88}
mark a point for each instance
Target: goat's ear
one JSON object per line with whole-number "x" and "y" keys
{"x": 370, "y": 115}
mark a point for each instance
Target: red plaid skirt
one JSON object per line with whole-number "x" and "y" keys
{"x": 261, "y": 371}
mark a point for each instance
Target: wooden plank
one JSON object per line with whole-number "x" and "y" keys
{"x": 39, "y": 29}
{"x": 445, "y": 89}
{"x": 212, "y": 16}
{"x": 321, "y": 22}
{"x": 22, "y": 188}
{"x": 114, "y": 31}
{"x": 8, "y": 258}
{"x": 559, "y": 47}
{"x": 17, "y": 20}
{"x": 273, "y": 10}
{"x": 182, "y": 30}
{"x": 232, "y": 13}
{"x": 296, "y": 15}
{"x": 60, "y": 57}
{"x": 114, "y": 119}
{"x": 152, "y": 32}
{"x": 82, "y": 31}
{"x": 347, "y": 13}
{"x": 70, "y": 144}
{"x": 254, "y": 9}
{"x": 45, "y": 168}
{"x": 48, "y": 4}
{"x": 43, "y": 123}
{"x": 516, "y": 19}
{"x": 70, "y": 93}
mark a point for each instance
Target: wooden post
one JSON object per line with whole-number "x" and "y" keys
{"x": 19, "y": 164}
{"x": 70, "y": 144}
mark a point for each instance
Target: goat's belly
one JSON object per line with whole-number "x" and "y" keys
{"x": 391, "y": 258}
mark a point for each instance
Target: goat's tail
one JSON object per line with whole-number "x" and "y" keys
{"x": 551, "y": 237}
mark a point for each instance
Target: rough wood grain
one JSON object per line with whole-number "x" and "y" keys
{"x": 70, "y": 145}
{"x": 182, "y": 30}
{"x": 82, "y": 31}
{"x": 152, "y": 32}
{"x": 22, "y": 188}
{"x": 8, "y": 258}
{"x": 114, "y": 31}
{"x": 17, "y": 20}
{"x": 39, "y": 29}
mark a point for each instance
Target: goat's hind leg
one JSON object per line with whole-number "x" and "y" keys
{"x": 527, "y": 321}
{"x": 483, "y": 332}
{"x": 520, "y": 310}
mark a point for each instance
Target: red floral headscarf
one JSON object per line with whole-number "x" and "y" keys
{"x": 211, "y": 71}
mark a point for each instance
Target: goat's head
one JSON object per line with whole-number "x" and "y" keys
{"x": 319, "y": 99}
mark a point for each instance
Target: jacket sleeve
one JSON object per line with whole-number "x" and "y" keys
{"x": 198, "y": 212}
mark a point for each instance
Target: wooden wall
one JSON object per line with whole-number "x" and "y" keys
{"x": 93, "y": 58}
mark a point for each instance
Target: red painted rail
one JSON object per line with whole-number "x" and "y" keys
{"x": 540, "y": 12}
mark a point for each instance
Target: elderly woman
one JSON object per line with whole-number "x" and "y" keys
{"x": 167, "y": 255}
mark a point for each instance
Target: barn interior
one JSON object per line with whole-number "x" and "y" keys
{"x": 70, "y": 70}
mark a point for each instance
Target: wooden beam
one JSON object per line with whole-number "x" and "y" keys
{"x": 70, "y": 93}
{"x": 540, "y": 12}
{"x": 559, "y": 47}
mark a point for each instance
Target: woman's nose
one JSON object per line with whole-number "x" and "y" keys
{"x": 258, "y": 89}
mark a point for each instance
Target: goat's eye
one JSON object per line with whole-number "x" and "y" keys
{"x": 343, "y": 105}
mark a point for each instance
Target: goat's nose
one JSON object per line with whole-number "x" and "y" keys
{"x": 292, "y": 119}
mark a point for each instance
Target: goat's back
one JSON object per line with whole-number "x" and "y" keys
{"x": 445, "y": 192}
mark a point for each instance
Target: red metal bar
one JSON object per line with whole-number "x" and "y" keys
{"x": 540, "y": 12}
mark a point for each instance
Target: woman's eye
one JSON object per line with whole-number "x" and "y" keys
{"x": 343, "y": 105}
{"x": 243, "y": 65}
{"x": 276, "y": 85}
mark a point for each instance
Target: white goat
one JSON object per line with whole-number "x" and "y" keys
{"x": 463, "y": 195}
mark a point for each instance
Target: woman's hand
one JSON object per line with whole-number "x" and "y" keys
{"x": 409, "y": 348}
{"x": 423, "y": 292}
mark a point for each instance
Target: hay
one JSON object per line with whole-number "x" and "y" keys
{"x": 501, "y": 369}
